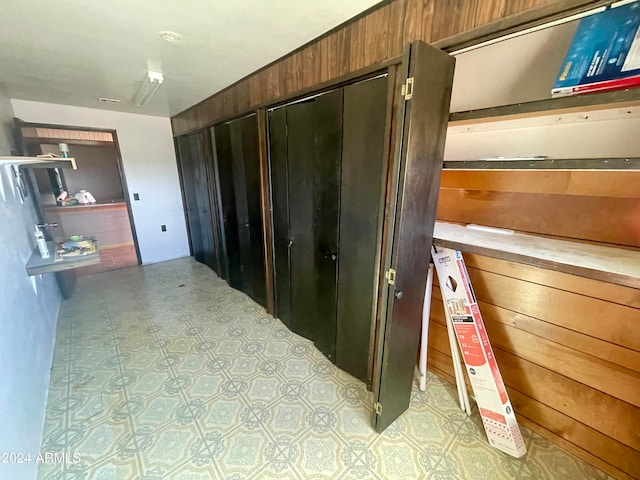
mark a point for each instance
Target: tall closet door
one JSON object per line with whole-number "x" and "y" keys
{"x": 193, "y": 158}
{"x": 226, "y": 193}
{"x": 278, "y": 161}
{"x": 246, "y": 176}
{"x": 305, "y": 160}
{"x": 237, "y": 163}
{"x": 361, "y": 207}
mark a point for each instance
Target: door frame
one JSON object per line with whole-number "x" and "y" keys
{"x": 19, "y": 124}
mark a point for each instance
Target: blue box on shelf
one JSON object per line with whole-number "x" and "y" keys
{"x": 604, "y": 54}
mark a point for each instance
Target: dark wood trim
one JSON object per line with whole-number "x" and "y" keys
{"x": 317, "y": 89}
{"x": 601, "y": 164}
{"x": 265, "y": 201}
{"x": 344, "y": 24}
{"x": 514, "y": 23}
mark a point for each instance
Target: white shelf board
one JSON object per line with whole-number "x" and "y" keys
{"x": 41, "y": 162}
{"x": 610, "y": 264}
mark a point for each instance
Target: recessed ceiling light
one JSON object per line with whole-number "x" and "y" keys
{"x": 108, "y": 100}
{"x": 171, "y": 37}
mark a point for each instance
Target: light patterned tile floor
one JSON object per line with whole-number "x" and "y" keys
{"x": 164, "y": 372}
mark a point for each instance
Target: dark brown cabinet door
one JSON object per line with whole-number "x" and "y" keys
{"x": 314, "y": 133}
{"x": 225, "y": 189}
{"x": 422, "y": 121}
{"x": 279, "y": 172}
{"x": 361, "y": 192}
{"x": 195, "y": 180}
{"x": 326, "y": 160}
{"x": 238, "y": 172}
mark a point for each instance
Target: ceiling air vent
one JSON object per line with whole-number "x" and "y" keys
{"x": 108, "y": 100}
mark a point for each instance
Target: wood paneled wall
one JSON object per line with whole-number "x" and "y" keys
{"x": 367, "y": 41}
{"x": 585, "y": 205}
{"x": 568, "y": 347}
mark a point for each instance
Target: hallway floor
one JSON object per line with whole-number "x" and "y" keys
{"x": 164, "y": 372}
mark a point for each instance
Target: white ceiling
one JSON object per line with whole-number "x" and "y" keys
{"x": 74, "y": 51}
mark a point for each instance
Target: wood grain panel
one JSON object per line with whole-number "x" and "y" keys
{"x": 340, "y": 52}
{"x": 600, "y": 219}
{"x": 608, "y": 377}
{"x": 518, "y": 6}
{"x": 585, "y": 183}
{"x": 609, "y": 292}
{"x": 396, "y": 27}
{"x": 579, "y": 439}
{"x": 376, "y": 37}
{"x": 357, "y": 34}
{"x": 428, "y": 17}
{"x": 606, "y": 414}
{"x": 453, "y": 16}
{"x": 610, "y": 352}
{"x": 607, "y": 321}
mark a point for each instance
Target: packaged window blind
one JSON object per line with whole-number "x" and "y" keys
{"x": 461, "y": 306}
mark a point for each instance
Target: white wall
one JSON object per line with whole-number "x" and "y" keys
{"x": 148, "y": 157}
{"x": 28, "y": 313}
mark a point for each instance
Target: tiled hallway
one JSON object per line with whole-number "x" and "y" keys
{"x": 164, "y": 372}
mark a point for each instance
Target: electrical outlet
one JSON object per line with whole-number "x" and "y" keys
{"x": 163, "y": 228}
{"x": 136, "y": 196}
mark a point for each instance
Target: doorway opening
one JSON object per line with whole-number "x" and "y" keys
{"x": 91, "y": 201}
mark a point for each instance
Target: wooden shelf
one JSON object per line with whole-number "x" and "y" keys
{"x": 592, "y": 101}
{"x": 610, "y": 264}
{"x": 41, "y": 162}
{"x": 600, "y": 164}
{"x": 36, "y": 265}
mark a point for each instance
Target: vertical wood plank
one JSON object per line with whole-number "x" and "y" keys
{"x": 396, "y": 26}
{"x": 340, "y": 51}
{"x": 428, "y": 7}
{"x": 452, "y": 17}
{"x": 489, "y": 10}
{"x": 274, "y": 82}
{"x": 518, "y": 6}
{"x": 254, "y": 90}
{"x": 376, "y": 38}
{"x": 243, "y": 101}
{"x": 324, "y": 60}
{"x": 412, "y": 21}
{"x": 356, "y": 53}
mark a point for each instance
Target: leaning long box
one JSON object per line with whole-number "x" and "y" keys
{"x": 488, "y": 387}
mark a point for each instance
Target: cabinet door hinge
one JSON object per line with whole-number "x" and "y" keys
{"x": 407, "y": 89}
{"x": 390, "y": 275}
{"x": 377, "y": 406}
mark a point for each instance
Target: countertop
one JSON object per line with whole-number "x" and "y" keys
{"x": 38, "y": 265}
